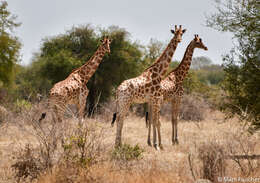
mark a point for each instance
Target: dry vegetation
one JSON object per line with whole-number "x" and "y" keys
{"x": 70, "y": 152}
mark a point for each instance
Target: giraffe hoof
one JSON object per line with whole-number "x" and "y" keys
{"x": 149, "y": 143}
{"x": 156, "y": 147}
{"x": 175, "y": 142}
{"x": 161, "y": 147}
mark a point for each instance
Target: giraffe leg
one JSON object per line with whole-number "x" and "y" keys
{"x": 123, "y": 107}
{"x": 175, "y": 112}
{"x": 149, "y": 125}
{"x": 155, "y": 137}
{"x": 156, "y": 123}
{"x": 82, "y": 103}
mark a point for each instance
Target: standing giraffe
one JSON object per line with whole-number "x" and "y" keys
{"x": 172, "y": 87}
{"x": 73, "y": 90}
{"x": 146, "y": 88}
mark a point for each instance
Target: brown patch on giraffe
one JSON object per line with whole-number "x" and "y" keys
{"x": 155, "y": 69}
{"x": 148, "y": 85}
{"x": 157, "y": 87}
{"x": 157, "y": 94}
{"x": 154, "y": 82}
{"x": 154, "y": 75}
{"x": 131, "y": 86}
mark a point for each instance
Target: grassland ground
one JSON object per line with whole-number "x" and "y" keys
{"x": 179, "y": 163}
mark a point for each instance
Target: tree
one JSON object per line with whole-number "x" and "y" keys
{"x": 9, "y": 45}
{"x": 200, "y": 62}
{"x": 242, "y": 64}
{"x": 154, "y": 50}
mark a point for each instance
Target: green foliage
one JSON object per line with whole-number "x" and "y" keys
{"x": 242, "y": 65}
{"x": 126, "y": 152}
{"x": 74, "y": 150}
{"x": 83, "y": 147}
{"x": 211, "y": 74}
{"x": 22, "y": 104}
{"x": 153, "y": 51}
{"x": 200, "y": 62}
{"x": 9, "y": 45}
{"x": 191, "y": 83}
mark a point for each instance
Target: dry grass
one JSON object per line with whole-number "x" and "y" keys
{"x": 169, "y": 165}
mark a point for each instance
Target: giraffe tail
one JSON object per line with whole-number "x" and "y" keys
{"x": 114, "y": 119}
{"x": 42, "y": 116}
{"x": 146, "y": 119}
{"x": 44, "y": 113}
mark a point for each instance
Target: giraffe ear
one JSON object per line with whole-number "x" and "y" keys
{"x": 172, "y": 31}
{"x": 184, "y": 30}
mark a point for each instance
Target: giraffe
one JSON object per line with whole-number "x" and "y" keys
{"x": 146, "y": 87}
{"x": 73, "y": 90}
{"x": 172, "y": 87}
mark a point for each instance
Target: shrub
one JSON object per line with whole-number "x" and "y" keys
{"x": 126, "y": 152}
{"x": 213, "y": 163}
{"x": 83, "y": 146}
{"x": 210, "y": 161}
{"x": 21, "y": 104}
{"x": 192, "y": 108}
{"x": 27, "y": 164}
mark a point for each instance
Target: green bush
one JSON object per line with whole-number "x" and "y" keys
{"x": 83, "y": 147}
{"x": 126, "y": 152}
{"x": 21, "y": 104}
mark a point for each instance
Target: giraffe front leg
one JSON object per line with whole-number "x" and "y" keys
{"x": 175, "y": 113}
{"x": 120, "y": 121}
{"x": 149, "y": 125}
{"x": 82, "y": 103}
{"x": 156, "y": 124}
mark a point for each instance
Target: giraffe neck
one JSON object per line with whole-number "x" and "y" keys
{"x": 181, "y": 71}
{"x": 163, "y": 62}
{"x": 89, "y": 68}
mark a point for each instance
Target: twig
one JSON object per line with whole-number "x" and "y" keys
{"x": 191, "y": 169}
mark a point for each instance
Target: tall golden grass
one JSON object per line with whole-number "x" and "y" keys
{"x": 180, "y": 163}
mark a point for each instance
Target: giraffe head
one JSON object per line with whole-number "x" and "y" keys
{"x": 198, "y": 42}
{"x": 178, "y": 32}
{"x": 106, "y": 44}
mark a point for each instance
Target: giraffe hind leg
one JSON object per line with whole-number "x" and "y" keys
{"x": 148, "y": 124}
{"x": 124, "y": 107}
